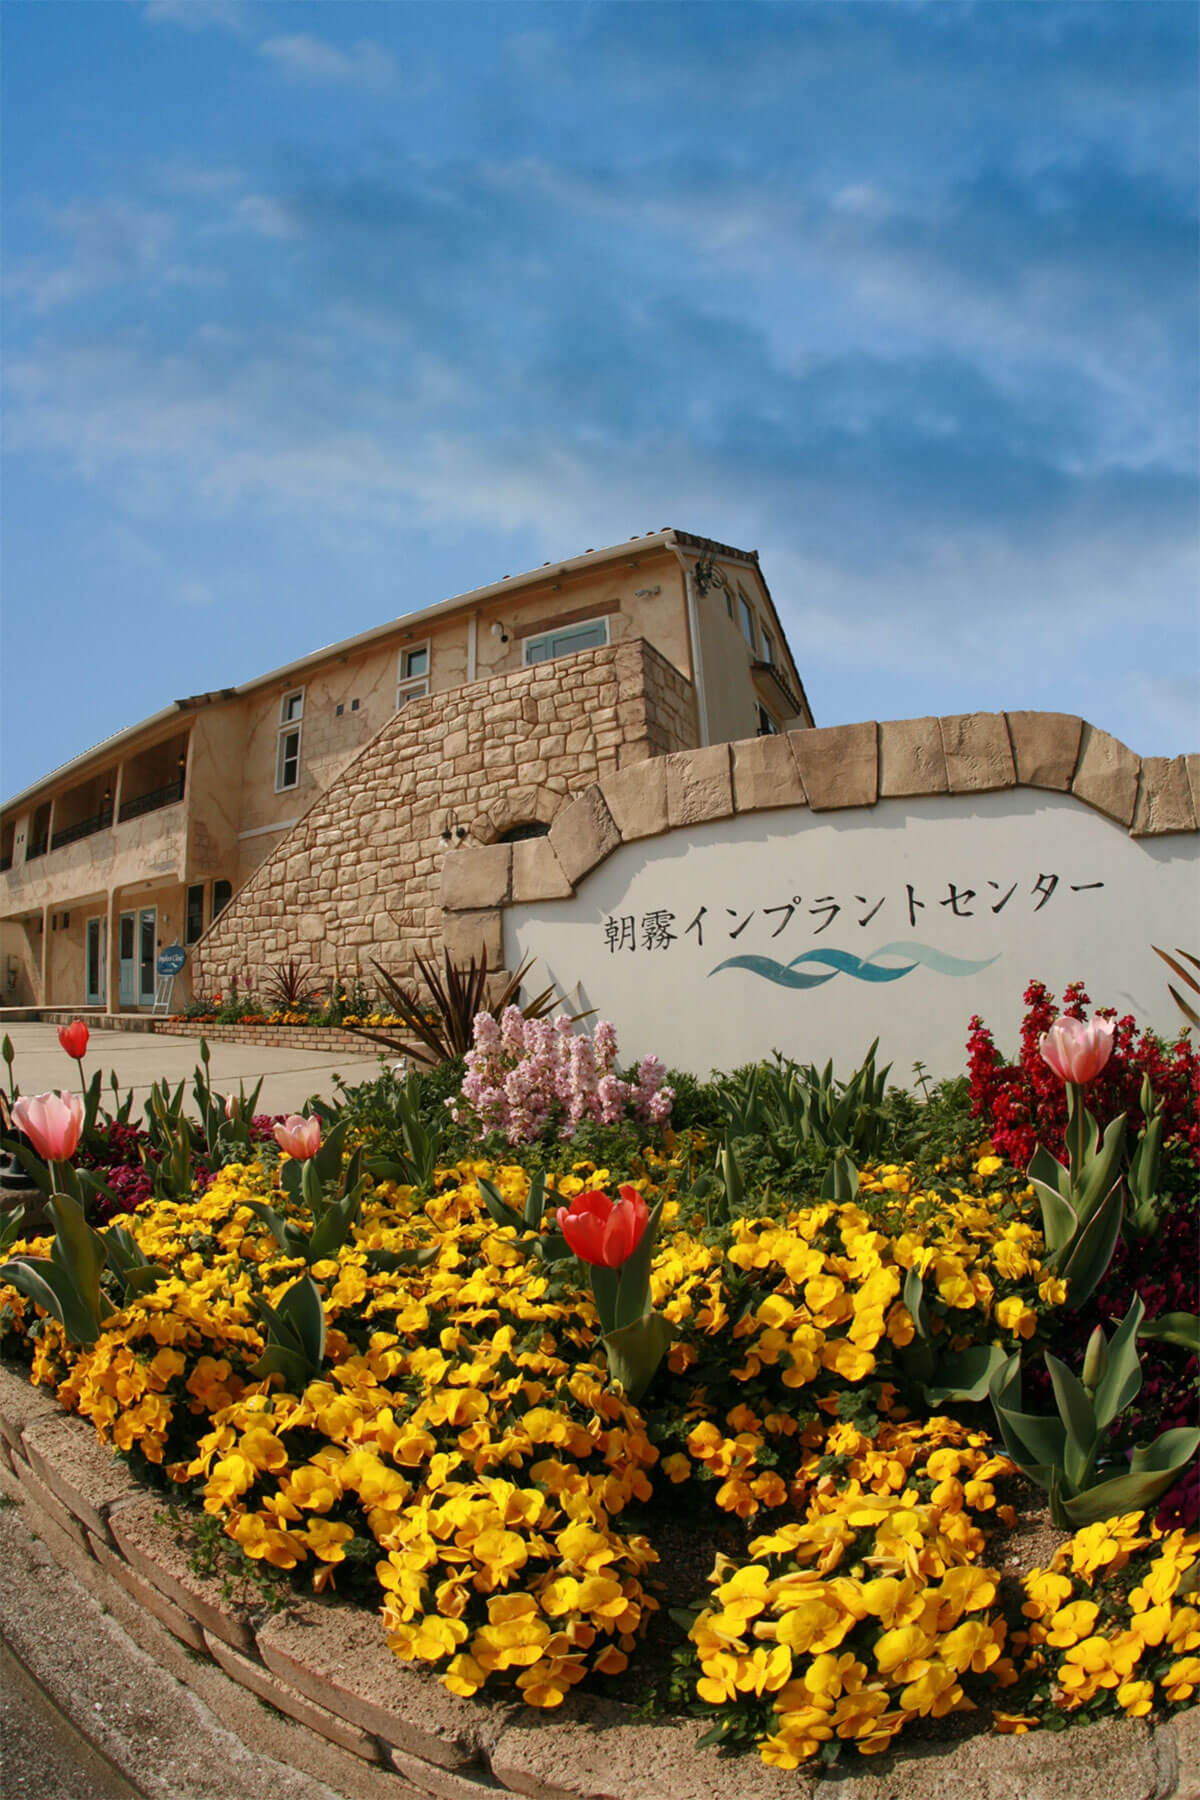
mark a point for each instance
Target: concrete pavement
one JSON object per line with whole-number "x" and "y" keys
{"x": 291, "y": 1076}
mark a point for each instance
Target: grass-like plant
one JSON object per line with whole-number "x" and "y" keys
{"x": 441, "y": 1028}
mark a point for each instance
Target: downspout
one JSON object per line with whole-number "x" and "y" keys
{"x": 472, "y": 644}
{"x": 689, "y": 588}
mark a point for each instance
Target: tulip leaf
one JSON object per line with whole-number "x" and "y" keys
{"x": 497, "y": 1206}
{"x": 11, "y": 1229}
{"x": 1086, "y": 1260}
{"x": 965, "y": 1376}
{"x": 606, "y": 1287}
{"x": 1075, "y": 1410}
{"x": 1180, "y": 1328}
{"x": 913, "y": 1296}
{"x": 1122, "y": 1376}
{"x": 77, "y": 1249}
{"x": 535, "y": 1201}
{"x": 49, "y": 1286}
{"x": 334, "y": 1228}
{"x": 635, "y": 1351}
{"x": 388, "y": 1261}
{"x": 634, "y": 1290}
{"x": 1164, "y": 1461}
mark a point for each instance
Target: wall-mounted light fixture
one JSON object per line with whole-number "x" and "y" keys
{"x": 646, "y": 593}
{"x": 498, "y": 631}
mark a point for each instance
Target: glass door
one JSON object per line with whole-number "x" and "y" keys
{"x": 126, "y": 933}
{"x": 147, "y": 945}
{"x": 97, "y": 959}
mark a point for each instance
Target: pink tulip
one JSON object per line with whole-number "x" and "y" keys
{"x": 51, "y": 1122}
{"x": 1078, "y": 1049}
{"x": 300, "y": 1137}
{"x": 601, "y": 1230}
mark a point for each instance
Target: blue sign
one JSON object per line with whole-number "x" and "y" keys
{"x": 172, "y": 959}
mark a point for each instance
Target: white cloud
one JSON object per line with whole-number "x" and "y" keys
{"x": 305, "y": 58}
{"x": 198, "y": 15}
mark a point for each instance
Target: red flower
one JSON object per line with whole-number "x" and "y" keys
{"x": 602, "y": 1230}
{"x": 74, "y": 1039}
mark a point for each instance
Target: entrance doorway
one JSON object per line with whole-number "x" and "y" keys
{"x": 97, "y": 961}
{"x": 137, "y": 944}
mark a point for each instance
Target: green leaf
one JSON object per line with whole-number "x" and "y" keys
{"x": 301, "y": 1306}
{"x": 535, "y": 1201}
{"x": 913, "y": 1296}
{"x": 78, "y": 1248}
{"x": 500, "y": 1210}
{"x": 1181, "y": 1328}
{"x": 271, "y": 1220}
{"x": 49, "y": 1286}
{"x": 1084, "y": 1262}
{"x": 606, "y": 1288}
{"x": 11, "y": 1229}
{"x": 633, "y": 1292}
{"x": 635, "y": 1351}
{"x": 1164, "y": 1463}
{"x": 276, "y": 1359}
{"x": 388, "y": 1261}
{"x": 1075, "y": 1410}
{"x": 965, "y": 1376}
{"x": 1123, "y": 1374}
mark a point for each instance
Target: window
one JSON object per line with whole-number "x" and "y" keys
{"x": 194, "y": 927}
{"x": 222, "y": 895}
{"x": 766, "y": 724}
{"x": 565, "y": 641}
{"x": 412, "y": 677}
{"x": 287, "y": 755}
{"x": 768, "y": 646}
{"x": 747, "y": 621}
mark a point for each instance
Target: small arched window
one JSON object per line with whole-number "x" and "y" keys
{"x": 517, "y": 834}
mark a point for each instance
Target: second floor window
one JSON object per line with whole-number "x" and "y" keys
{"x": 287, "y": 757}
{"x": 592, "y": 634}
{"x": 195, "y": 913}
{"x": 412, "y": 674}
{"x": 747, "y": 623}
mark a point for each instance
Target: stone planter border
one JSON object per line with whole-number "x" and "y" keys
{"x": 327, "y": 1667}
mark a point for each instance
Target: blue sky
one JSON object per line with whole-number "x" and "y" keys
{"x": 318, "y": 312}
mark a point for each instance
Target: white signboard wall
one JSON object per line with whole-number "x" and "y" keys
{"x": 813, "y": 933}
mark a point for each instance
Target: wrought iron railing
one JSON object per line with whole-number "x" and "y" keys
{"x": 5, "y": 864}
{"x": 163, "y": 796}
{"x": 36, "y": 847}
{"x": 70, "y": 834}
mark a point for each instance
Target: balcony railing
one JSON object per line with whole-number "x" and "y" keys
{"x": 36, "y": 847}
{"x": 163, "y": 796}
{"x": 71, "y": 834}
{"x": 5, "y": 864}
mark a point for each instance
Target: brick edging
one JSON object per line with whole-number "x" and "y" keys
{"x": 271, "y": 1037}
{"x": 327, "y": 1667}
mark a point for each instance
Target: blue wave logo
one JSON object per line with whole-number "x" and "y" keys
{"x": 878, "y": 966}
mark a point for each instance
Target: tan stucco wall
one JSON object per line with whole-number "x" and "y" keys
{"x": 361, "y": 873}
{"x": 20, "y": 957}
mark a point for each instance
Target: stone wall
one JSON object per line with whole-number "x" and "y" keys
{"x": 359, "y": 876}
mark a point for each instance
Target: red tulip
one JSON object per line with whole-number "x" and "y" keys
{"x": 52, "y": 1123}
{"x": 601, "y": 1230}
{"x": 300, "y": 1137}
{"x": 1078, "y": 1049}
{"x": 74, "y": 1039}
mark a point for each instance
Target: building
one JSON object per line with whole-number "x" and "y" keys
{"x": 308, "y": 812}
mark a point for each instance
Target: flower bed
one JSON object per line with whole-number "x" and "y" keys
{"x": 420, "y": 1416}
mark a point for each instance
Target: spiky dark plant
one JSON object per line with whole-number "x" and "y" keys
{"x": 443, "y": 1026}
{"x": 292, "y": 986}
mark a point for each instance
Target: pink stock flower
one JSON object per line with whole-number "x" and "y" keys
{"x": 74, "y": 1039}
{"x": 52, "y": 1123}
{"x": 601, "y": 1230}
{"x": 1078, "y": 1049}
{"x": 300, "y": 1137}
